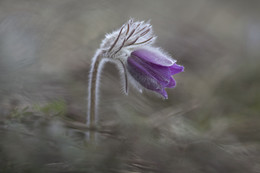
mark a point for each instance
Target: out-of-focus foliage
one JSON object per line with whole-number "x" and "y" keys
{"x": 210, "y": 123}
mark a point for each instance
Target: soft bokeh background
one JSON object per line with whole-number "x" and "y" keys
{"x": 209, "y": 124}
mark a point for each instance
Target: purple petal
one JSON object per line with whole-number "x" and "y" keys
{"x": 153, "y": 57}
{"x": 141, "y": 74}
{"x": 151, "y": 74}
{"x": 175, "y": 68}
{"x": 160, "y": 73}
{"x": 171, "y": 84}
{"x": 163, "y": 93}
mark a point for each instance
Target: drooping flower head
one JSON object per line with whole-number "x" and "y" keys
{"x": 142, "y": 64}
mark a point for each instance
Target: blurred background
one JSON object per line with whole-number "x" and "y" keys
{"x": 210, "y": 123}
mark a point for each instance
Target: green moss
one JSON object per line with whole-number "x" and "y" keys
{"x": 54, "y": 108}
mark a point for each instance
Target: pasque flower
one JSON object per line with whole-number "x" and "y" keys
{"x": 153, "y": 70}
{"x": 140, "y": 63}
{"x": 143, "y": 65}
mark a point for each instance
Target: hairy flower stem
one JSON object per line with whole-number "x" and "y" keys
{"x": 93, "y": 91}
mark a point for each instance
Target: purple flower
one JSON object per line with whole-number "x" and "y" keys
{"x": 145, "y": 66}
{"x": 131, "y": 49}
{"x": 153, "y": 70}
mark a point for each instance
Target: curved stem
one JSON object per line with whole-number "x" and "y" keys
{"x": 93, "y": 91}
